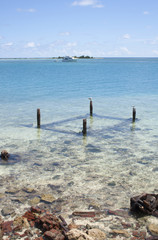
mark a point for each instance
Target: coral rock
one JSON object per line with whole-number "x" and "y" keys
{"x": 153, "y": 228}
{"x": 75, "y": 234}
{"x": 97, "y": 234}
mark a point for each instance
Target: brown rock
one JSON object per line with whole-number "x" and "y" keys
{"x": 30, "y": 216}
{"x": 139, "y": 234}
{"x": 7, "y": 226}
{"x": 36, "y": 210}
{"x": 126, "y": 225}
{"x": 54, "y": 235}
{"x": 97, "y": 234}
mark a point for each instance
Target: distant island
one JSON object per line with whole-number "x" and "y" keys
{"x": 81, "y": 57}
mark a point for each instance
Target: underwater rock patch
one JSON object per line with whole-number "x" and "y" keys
{"x": 29, "y": 190}
{"x": 34, "y": 201}
{"x": 112, "y": 184}
{"x": 7, "y": 211}
{"x": 12, "y": 190}
{"x": 49, "y": 198}
{"x": 155, "y": 169}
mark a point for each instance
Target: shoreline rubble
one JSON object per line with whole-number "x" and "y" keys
{"x": 38, "y": 223}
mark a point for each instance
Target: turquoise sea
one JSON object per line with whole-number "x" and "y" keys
{"x": 116, "y": 160}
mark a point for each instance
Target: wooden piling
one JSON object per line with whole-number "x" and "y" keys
{"x": 91, "y": 108}
{"x": 134, "y": 114}
{"x": 38, "y": 118}
{"x": 84, "y": 127}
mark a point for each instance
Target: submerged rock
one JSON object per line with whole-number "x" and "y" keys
{"x": 112, "y": 184}
{"x": 34, "y": 201}
{"x": 12, "y": 190}
{"x": 47, "y": 198}
{"x": 7, "y": 211}
{"x": 155, "y": 169}
{"x": 29, "y": 190}
{"x": 4, "y": 155}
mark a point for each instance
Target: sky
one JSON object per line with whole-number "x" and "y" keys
{"x": 98, "y": 28}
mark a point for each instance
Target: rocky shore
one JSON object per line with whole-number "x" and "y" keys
{"x": 45, "y": 220}
{"x": 47, "y": 211}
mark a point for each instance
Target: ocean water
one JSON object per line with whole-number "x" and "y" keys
{"x": 116, "y": 160}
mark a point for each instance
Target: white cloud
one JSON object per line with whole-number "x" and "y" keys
{"x": 92, "y": 3}
{"x": 9, "y": 44}
{"x": 146, "y": 13}
{"x": 31, "y": 10}
{"x": 71, "y": 44}
{"x": 65, "y": 33}
{"x": 126, "y": 36}
{"x": 155, "y": 52}
{"x": 57, "y": 43}
{"x": 155, "y": 41}
{"x": 125, "y": 50}
{"x": 30, "y": 45}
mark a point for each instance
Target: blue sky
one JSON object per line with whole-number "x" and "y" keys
{"x": 100, "y": 28}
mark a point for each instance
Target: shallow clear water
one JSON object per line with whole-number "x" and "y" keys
{"x": 116, "y": 160}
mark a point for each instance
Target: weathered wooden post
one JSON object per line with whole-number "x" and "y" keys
{"x": 134, "y": 114}
{"x": 91, "y": 107}
{"x": 84, "y": 131}
{"x": 38, "y": 118}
